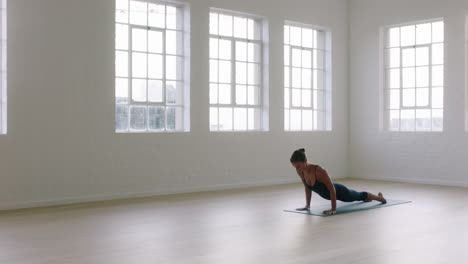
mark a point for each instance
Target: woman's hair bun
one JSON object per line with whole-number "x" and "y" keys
{"x": 303, "y": 150}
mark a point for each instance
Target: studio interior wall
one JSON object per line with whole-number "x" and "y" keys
{"x": 61, "y": 146}
{"x": 424, "y": 157}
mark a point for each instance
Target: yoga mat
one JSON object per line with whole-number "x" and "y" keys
{"x": 343, "y": 208}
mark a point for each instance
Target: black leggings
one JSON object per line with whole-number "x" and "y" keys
{"x": 345, "y": 194}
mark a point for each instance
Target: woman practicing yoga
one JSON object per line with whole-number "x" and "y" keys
{"x": 316, "y": 179}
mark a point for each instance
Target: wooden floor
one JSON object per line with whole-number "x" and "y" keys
{"x": 243, "y": 226}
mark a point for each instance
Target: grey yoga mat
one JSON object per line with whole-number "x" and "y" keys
{"x": 343, "y": 208}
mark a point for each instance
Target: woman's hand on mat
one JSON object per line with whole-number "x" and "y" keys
{"x": 329, "y": 212}
{"x": 303, "y": 209}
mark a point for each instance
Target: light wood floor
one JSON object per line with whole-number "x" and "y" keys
{"x": 243, "y": 226}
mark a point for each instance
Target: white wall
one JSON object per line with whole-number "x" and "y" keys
{"x": 61, "y": 146}
{"x": 439, "y": 158}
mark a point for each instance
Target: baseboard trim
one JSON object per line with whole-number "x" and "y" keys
{"x": 98, "y": 198}
{"x": 448, "y": 182}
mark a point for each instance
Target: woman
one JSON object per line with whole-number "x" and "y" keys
{"x": 316, "y": 179}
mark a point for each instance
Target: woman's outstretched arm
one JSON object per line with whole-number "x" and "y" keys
{"x": 323, "y": 177}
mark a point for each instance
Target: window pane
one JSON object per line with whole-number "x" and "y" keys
{"x": 306, "y": 78}
{"x": 393, "y": 37}
{"x": 138, "y": 13}
{"x": 214, "y": 44}
{"x": 156, "y": 118}
{"x": 306, "y": 119}
{"x": 139, "y": 64}
{"x": 240, "y": 27}
{"x": 121, "y": 63}
{"x": 438, "y": 31}
{"x": 224, "y": 49}
{"x": 214, "y": 118}
{"x": 295, "y": 35}
{"x": 171, "y": 17}
{"x": 408, "y": 35}
{"x": 254, "y": 118}
{"x": 138, "y": 117}
{"x": 306, "y": 59}
{"x": 225, "y": 118}
{"x": 437, "y": 97}
{"x": 173, "y": 42}
{"x": 286, "y": 77}
{"x": 407, "y": 120}
{"x": 286, "y": 98}
{"x": 139, "y": 40}
{"x": 393, "y": 58}
{"x": 409, "y": 97}
{"x": 213, "y": 93}
{"x": 225, "y": 25}
{"x": 241, "y": 72}
{"x": 286, "y": 55}
{"x": 393, "y": 78}
{"x": 224, "y": 93}
{"x": 423, "y": 33}
{"x": 225, "y": 71}
{"x": 296, "y": 77}
{"x": 422, "y": 97}
{"x": 156, "y": 15}
{"x": 438, "y": 76}
{"x": 408, "y": 77}
{"x": 174, "y": 93}
{"x": 286, "y": 34}
{"x": 155, "y": 91}
{"x": 241, "y": 51}
{"x": 253, "y": 95}
{"x": 121, "y": 90}
{"x": 241, "y": 94}
{"x": 319, "y": 39}
{"x": 318, "y": 100}
{"x": 253, "y": 52}
{"x": 155, "y": 64}
{"x": 408, "y": 56}
{"x": 240, "y": 119}
{"x": 139, "y": 90}
{"x": 174, "y": 117}
{"x": 394, "y": 96}
{"x": 319, "y": 59}
{"x": 296, "y": 58}
{"x": 121, "y": 118}
{"x": 394, "y": 120}
{"x": 286, "y": 120}
{"x": 437, "y": 120}
{"x": 213, "y": 70}
{"x": 121, "y": 11}
{"x": 121, "y": 36}
{"x": 253, "y": 74}
{"x": 422, "y": 56}
{"x": 214, "y": 23}
{"x": 155, "y": 41}
{"x": 318, "y": 82}
{"x": 307, "y": 37}
{"x": 296, "y": 97}
{"x": 423, "y": 120}
{"x": 296, "y": 119}
{"x": 438, "y": 53}
{"x": 173, "y": 68}
{"x": 422, "y": 76}
{"x": 306, "y": 98}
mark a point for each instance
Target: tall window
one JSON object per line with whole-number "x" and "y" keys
{"x": 414, "y": 71}
{"x": 306, "y": 92}
{"x": 3, "y": 70}
{"x": 151, "y": 65}
{"x": 236, "y": 83}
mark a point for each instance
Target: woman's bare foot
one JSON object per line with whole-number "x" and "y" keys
{"x": 381, "y": 198}
{"x": 372, "y": 197}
